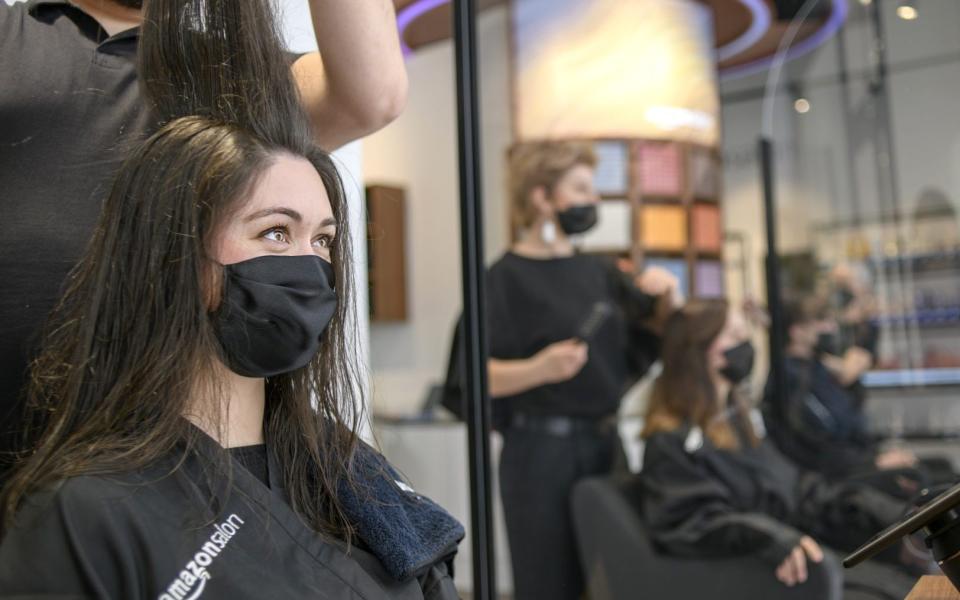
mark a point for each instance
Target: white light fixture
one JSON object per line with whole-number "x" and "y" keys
{"x": 907, "y": 11}
{"x": 801, "y": 105}
{"x": 615, "y": 69}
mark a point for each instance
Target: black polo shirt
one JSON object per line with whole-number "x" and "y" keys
{"x": 69, "y": 105}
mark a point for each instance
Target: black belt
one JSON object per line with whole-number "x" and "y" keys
{"x": 563, "y": 426}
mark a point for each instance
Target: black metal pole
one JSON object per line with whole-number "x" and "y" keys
{"x": 474, "y": 332}
{"x": 885, "y": 146}
{"x": 774, "y": 291}
{"x": 851, "y": 163}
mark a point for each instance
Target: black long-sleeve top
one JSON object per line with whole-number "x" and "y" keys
{"x": 532, "y": 303}
{"x": 819, "y": 424}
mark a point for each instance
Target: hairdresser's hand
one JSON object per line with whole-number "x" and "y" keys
{"x": 656, "y": 281}
{"x": 793, "y": 569}
{"x": 665, "y": 287}
{"x": 896, "y": 458}
{"x": 561, "y": 361}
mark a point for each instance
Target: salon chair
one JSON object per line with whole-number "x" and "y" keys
{"x": 620, "y": 562}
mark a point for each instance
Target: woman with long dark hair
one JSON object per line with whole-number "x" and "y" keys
{"x": 712, "y": 486}
{"x": 196, "y": 401}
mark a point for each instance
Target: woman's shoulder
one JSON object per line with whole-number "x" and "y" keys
{"x": 80, "y": 502}
{"x": 61, "y": 532}
{"x": 668, "y": 440}
{"x": 686, "y": 445}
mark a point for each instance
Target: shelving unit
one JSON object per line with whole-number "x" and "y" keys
{"x": 917, "y": 281}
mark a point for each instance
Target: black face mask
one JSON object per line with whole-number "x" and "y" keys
{"x": 827, "y": 343}
{"x": 274, "y": 312}
{"x": 842, "y": 298}
{"x": 578, "y": 219}
{"x": 138, "y": 4}
{"x": 739, "y": 362}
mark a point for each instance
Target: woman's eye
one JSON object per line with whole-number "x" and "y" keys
{"x": 324, "y": 241}
{"x": 277, "y": 234}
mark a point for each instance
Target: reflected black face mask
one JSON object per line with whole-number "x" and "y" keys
{"x": 739, "y": 362}
{"x": 578, "y": 219}
{"x": 274, "y": 312}
{"x": 827, "y": 343}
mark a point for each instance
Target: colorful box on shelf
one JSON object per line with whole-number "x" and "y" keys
{"x": 658, "y": 169}
{"x": 708, "y": 279}
{"x": 610, "y": 174}
{"x": 676, "y": 266}
{"x": 704, "y": 174}
{"x": 612, "y": 231}
{"x": 663, "y": 228}
{"x": 707, "y": 228}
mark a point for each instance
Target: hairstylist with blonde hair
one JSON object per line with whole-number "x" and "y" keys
{"x": 557, "y": 379}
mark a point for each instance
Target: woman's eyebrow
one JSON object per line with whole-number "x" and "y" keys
{"x": 275, "y": 210}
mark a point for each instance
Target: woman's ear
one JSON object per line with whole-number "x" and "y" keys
{"x": 540, "y": 203}
{"x": 211, "y": 284}
{"x": 715, "y": 355}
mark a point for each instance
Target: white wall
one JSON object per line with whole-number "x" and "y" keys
{"x": 419, "y": 152}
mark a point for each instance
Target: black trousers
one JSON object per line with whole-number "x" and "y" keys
{"x": 537, "y": 473}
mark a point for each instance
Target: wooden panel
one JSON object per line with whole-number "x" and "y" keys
{"x": 386, "y": 253}
{"x": 934, "y": 588}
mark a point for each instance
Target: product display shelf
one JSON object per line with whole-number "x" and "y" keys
{"x": 916, "y": 279}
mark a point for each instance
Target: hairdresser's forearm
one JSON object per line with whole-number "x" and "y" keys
{"x": 358, "y": 82}
{"x": 510, "y": 377}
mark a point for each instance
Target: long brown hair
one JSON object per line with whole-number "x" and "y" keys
{"x": 684, "y": 391}
{"x": 132, "y": 336}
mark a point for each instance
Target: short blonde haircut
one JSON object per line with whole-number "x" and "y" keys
{"x": 535, "y": 164}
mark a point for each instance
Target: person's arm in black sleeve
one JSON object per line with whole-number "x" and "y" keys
{"x": 867, "y": 336}
{"x": 645, "y": 315}
{"x": 691, "y": 514}
{"x": 638, "y": 306}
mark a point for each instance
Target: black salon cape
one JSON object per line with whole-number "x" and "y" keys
{"x": 700, "y": 501}
{"x": 139, "y": 537}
